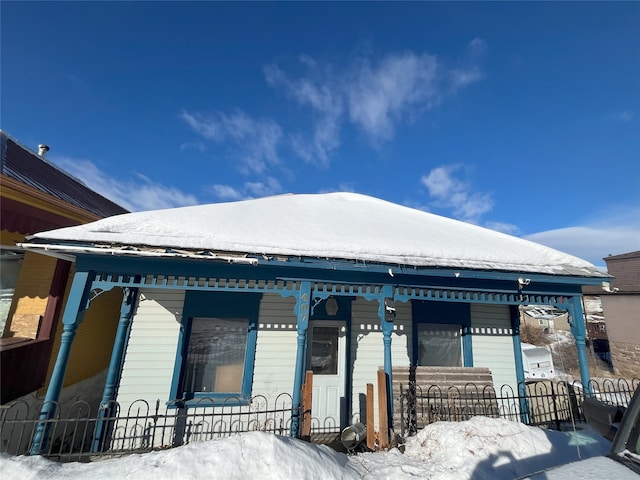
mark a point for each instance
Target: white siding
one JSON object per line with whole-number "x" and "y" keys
{"x": 367, "y": 349}
{"x": 493, "y": 343}
{"x": 151, "y": 351}
{"x": 274, "y": 367}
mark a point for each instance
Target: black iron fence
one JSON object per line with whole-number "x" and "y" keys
{"x": 537, "y": 403}
{"x": 77, "y": 433}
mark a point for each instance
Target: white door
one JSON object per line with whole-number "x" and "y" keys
{"x": 326, "y": 358}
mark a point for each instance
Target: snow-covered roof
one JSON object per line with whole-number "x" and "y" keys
{"x": 344, "y": 226}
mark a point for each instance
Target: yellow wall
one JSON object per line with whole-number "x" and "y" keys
{"x": 91, "y": 349}
{"x": 92, "y": 346}
{"x": 10, "y": 238}
{"x": 31, "y": 295}
{"x": 93, "y": 343}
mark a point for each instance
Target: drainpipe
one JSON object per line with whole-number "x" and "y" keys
{"x": 302, "y": 311}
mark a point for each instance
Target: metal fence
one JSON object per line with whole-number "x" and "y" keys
{"x": 78, "y": 434}
{"x": 536, "y": 403}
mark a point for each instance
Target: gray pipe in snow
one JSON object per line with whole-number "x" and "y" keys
{"x": 353, "y": 435}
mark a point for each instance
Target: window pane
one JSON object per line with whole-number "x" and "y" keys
{"x": 10, "y": 263}
{"x": 439, "y": 345}
{"x": 215, "y": 356}
{"x": 324, "y": 350}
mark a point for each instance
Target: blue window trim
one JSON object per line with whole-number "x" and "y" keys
{"x": 222, "y": 305}
{"x": 444, "y": 313}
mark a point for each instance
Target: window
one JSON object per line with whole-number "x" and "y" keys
{"x": 324, "y": 350}
{"x": 215, "y": 355}
{"x": 439, "y": 344}
{"x": 217, "y": 347}
{"x": 10, "y": 264}
{"x": 442, "y": 334}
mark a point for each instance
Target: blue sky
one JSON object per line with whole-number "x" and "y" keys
{"x": 521, "y": 117}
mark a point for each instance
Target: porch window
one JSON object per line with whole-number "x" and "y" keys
{"x": 442, "y": 334}
{"x": 10, "y": 264}
{"x": 215, "y": 355}
{"x": 217, "y": 346}
{"x": 439, "y": 345}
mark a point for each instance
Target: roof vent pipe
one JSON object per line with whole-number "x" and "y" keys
{"x": 42, "y": 150}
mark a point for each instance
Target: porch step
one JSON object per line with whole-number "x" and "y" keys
{"x": 442, "y": 393}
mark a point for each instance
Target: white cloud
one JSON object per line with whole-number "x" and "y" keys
{"x": 270, "y": 186}
{"x": 508, "y": 228}
{"x": 254, "y": 142}
{"x": 226, "y": 192}
{"x": 381, "y": 94}
{"x": 476, "y": 47}
{"x": 193, "y": 146}
{"x": 323, "y": 99}
{"x": 342, "y": 187}
{"x": 460, "y": 78}
{"x": 449, "y": 192}
{"x": 373, "y": 96}
{"x": 624, "y": 117}
{"x": 134, "y": 195}
{"x": 618, "y": 233}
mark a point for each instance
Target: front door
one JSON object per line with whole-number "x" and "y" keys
{"x": 326, "y": 358}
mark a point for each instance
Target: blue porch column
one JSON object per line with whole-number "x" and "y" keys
{"x": 77, "y": 303}
{"x": 387, "y": 329}
{"x": 302, "y": 312}
{"x": 578, "y": 329}
{"x": 517, "y": 356}
{"x": 129, "y": 296}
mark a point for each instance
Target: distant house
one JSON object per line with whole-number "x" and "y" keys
{"x": 621, "y": 306}
{"x": 545, "y": 317}
{"x": 228, "y": 301}
{"x": 37, "y": 196}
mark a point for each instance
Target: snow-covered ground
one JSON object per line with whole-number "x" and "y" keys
{"x": 478, "y": 449}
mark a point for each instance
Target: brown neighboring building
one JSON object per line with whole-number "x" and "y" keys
{"x": 622, "y": 312}
{"x": 35, "y": 196}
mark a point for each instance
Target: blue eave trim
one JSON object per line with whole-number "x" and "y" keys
{"x": 371, "y": 274}
{"x": 98, "y": 261}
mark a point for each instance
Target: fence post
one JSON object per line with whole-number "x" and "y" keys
{"x": 307, "y": 402}
{"x": 382, "y": 410}
{"x": 555, "y": 406}
{"x": 371, "y": 434}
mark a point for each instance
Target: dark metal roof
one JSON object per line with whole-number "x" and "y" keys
{"x": 23, "y": 165}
